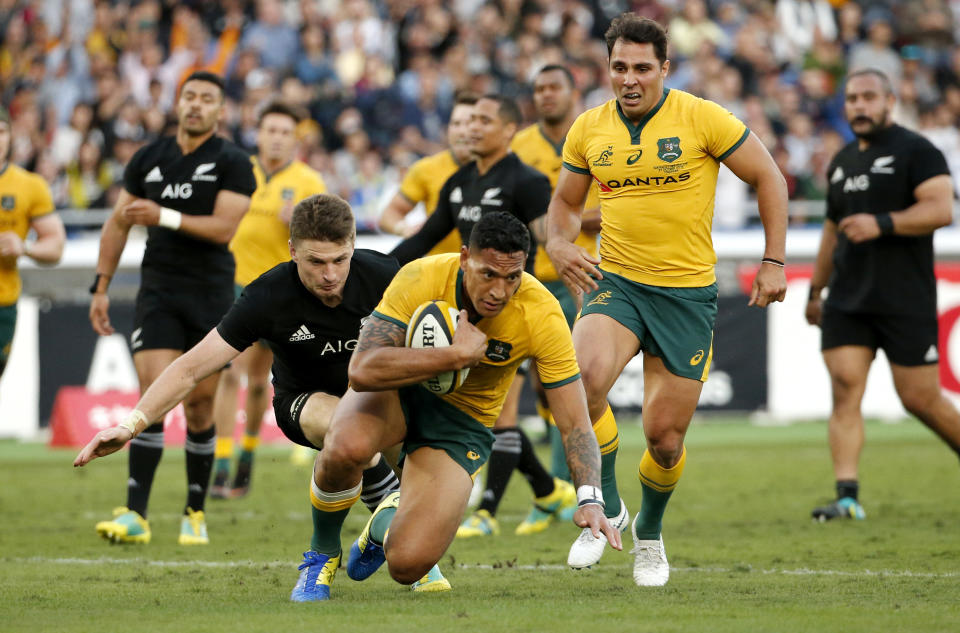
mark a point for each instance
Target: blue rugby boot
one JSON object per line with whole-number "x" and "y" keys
{"x": 316, "y": 574}
{"x": 432, "y": 582}
{"x": 366, "y": 556}
{"x": 845, "y": 508}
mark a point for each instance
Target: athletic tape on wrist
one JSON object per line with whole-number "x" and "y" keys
{"x": 136, "y": 416}
{"x": 170, "y": 219}
{"x": 589, "y": 494}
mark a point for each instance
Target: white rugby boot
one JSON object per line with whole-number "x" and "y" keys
{"x": 587, "y": 550}
{"x": 650, "y": 567}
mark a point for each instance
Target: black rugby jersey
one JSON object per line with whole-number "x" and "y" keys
{"x": 188, "y": 184}
{"x": 510, "y": 185}
{"x": 311, "y": 342}
{"x": 892, "y": 274}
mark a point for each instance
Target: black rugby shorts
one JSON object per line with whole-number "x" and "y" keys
{"x": 908, "y": 340}
{"x": 176, "y": 318}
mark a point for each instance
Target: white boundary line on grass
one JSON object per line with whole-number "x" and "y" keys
{"x": 746, "y": 569}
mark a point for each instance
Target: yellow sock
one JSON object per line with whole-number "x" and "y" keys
{"x": 223, "y": 448}
{"x": 659, "y": 478}
{"x": 250, "y": 442}
{"x": 606, "y": 431}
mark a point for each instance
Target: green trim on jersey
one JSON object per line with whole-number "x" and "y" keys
{"x": 557, "y": 147}
{"x": 723, "y": 156}
{"x": 635, "y": 130}
{"x": 575, "y": 169}
{"x": 389, "y": 319}
{"x": 560, "y": 383}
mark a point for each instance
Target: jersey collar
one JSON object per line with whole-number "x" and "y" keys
{"x": 636, "y": 129}
{"x": 557, "y": 147}
{"x": 268, "y": 175}
{"x": 6, "y": 166}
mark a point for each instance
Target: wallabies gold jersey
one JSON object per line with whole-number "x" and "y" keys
{"x": 423, "y": 182}
{"x": 23, "y": 197}
{"x": 657, "y": 183}
{"x": 260, "y": 242}
{"x": 530, "y": 325}
{"x": 533, "y": 147}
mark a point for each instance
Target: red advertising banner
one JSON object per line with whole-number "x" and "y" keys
{"x": 78, "y": 415}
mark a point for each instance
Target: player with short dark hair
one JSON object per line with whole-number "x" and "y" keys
{"x": 25, "y": 204}
{"x": 496, "y": 181}
{"x": 505, "y": 316}
{"x": 261, "y": 242}
{"x": 889, "y": 190}
{"x": 190, "y": 191}
{"x": 655, "y": 154}
{"x": 309, "y": 312}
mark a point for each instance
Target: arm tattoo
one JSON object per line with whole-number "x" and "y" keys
{"x": 377, "y": 332}
{"x": 583, "y": 456}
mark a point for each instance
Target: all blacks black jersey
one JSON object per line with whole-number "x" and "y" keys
{"x": 188, "y": 184}
{"x": 510, "y": 185}
{"x": 311, "y": 342}
{"x": 892, "y": 274}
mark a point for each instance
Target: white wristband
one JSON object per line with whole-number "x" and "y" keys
{"x": 589, "y": 494}
{"x": 136, "y": 417}
{"x": 170, "y": 219}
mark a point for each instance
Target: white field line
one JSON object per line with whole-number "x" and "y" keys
{"x": 506, "y": 566}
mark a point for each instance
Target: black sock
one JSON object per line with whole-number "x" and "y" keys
{"x": 378, "y": 482}
{"x": 531, "y": 468}
{"x": 199, "y": 449}
{"x": 146, "y": 450}
{"x": 847, "y": 488}
{"x": 503, "y": 459}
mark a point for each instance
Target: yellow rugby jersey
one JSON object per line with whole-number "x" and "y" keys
{"x": 533, "y": 147}
{"x": 657, "y": 182}
{"x": 423, "y": 183}
{"x": 23, "y": 197}
{"x": 530, "y": 325}
{"x": 260, "y": 242}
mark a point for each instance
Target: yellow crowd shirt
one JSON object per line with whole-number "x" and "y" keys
{"x": 260, "y": 242}
{"x": 533, "y": 147}
{"x": 23, "y": 197}
{"x": 657, "y": 183}
{"x": 423, "y": 183}
{"x": 530, "y": 325}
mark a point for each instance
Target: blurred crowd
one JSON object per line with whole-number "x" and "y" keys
{"x": 88, "y": 82}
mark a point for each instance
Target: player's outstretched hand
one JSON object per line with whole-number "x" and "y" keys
{"x": 591, "y": 516}
{"x": 143, "y": 212}
{"x": 577, "y": 268}
{"x": 860, "y": 227}
{"x": 99, "y": 315}
{"x": 472, "y": 342}
{"x": 103, "y": 443}
{"x": 769, "y": 285}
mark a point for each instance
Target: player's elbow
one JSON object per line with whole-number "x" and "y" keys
{"x": 359, "y": 374}
{"x": 945, "y": 217}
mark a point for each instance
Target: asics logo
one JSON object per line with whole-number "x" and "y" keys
{"x": 697, "y": 358}
{"x": 631, "y": 160}
{"x": 472, "y": 456}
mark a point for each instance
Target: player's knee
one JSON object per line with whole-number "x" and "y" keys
{"x": 198, "y": 412}
{"x": 230, "y": 377}
{"x": 257, "y": 389}
{"x": 920, "y": 403}
{"x": 666, "y": 448}
{"x": 405, "y": 566}
{"x": 595, "y": 391}
{"x": 349, "y": 451}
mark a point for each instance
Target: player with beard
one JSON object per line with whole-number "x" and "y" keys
{"x": 190, "y": 191}
{"x": 890, "y": 189}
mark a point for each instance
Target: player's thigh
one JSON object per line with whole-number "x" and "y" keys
{"x": 511, "y": 404}
{"x": 362, "y": 424}
{"x": 316, "y": 415}
{"x": 669, "y": 402}
{"x": 604, "y": 346}
{"x": 433, "y": 497}
{"x": 150, "y": 363}
{"x": 918, "y": 386}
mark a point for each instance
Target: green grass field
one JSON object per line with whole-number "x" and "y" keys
{"x": 745, "y": 555}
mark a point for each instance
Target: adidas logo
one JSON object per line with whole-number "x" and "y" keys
{"x": 154, "y": 175}
{"x": 303, "y": 334}
{"x": 931, "y": 355}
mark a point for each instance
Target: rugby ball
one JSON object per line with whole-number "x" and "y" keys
{"x": 432, "y": 325}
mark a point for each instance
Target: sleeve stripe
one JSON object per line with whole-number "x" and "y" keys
{"x": 389, "y": 319}
{"x": 723, "y": 156}
{"x": 575, "y": 169}
{"x": 560, "y": 383}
